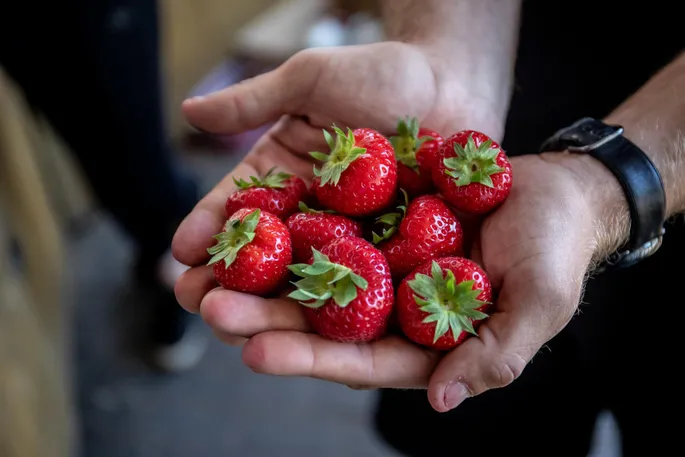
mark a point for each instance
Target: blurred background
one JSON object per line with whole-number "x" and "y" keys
{"x": 97, "y": 167}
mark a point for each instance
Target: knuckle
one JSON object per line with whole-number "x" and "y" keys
{"x": 505, "y": 371}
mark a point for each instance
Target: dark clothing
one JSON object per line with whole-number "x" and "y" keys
{"x": 620, "y": 352}
{"x": 93, "y": 69}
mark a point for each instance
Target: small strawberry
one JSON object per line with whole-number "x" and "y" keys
{"x": 277, "y": 193}
{"x": 359, "y": 176}
{"x": 315, "y": 228}
{"x": 346, "y": 290}
{"x": 252, "y": 252}
{"x": 472, "y": 172}
{"x": 439, "y": 303}
{"x": 422, "y": 230}
{"x": 416, "y": 150}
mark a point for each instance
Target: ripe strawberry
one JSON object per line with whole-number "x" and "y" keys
{"x": 416, "y": 150}
{"x": 277, "y": 193}
{"x": 346, "y": 290}
{"x": 472, "y": 172}
{"x": 252, "y": 252}
{"x": 359, "y": 176}
{"x": 439, "y": 303}
{"x": 314, "y": 229}
{"x": 422, "y": 230}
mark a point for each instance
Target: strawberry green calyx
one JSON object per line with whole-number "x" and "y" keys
{"x": 407, "y": 142}
{"x": 302, "y": 206}
{"x": 236, "y": 235}
{"x": 448, "y": 304}
{"x": 473, "y": 164}
{"x": 324, "y": 280}
{"x": 391, "y": 221}
{"x": 343, "y": 152}
{"x": 268, "y": 180}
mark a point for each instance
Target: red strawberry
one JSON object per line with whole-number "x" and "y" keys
{"x": 423, "y": 230}
{"x": 252, "y": 252}
{"x": 416, "y": 150}
{"x": 314, "y": 229}
{"x": 472, "y": 172}
{"x": 439, "y": 303}
{"x": 346, "y": 290}
{"x": 277, "y": 193}
{"x": 359, "y": 176}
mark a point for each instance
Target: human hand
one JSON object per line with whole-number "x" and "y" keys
{"x": 531, "y": 246}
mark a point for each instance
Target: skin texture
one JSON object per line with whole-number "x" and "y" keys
{"x": 315, "y": 230}
{"x": 262, "y": 265}
{"x": 429, "y": 230}
{"x": 369, "y": 184}
{"x": 364, "y": 319}
{"x": 411, "y": 317}
{"x": 421, "y": 182}
{"x": 474, "y": 198}
{"x": 281, "y": 202}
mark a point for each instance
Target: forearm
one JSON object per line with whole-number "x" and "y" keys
{"x": 654, "y": 119}
{"x": 476, "y": 39}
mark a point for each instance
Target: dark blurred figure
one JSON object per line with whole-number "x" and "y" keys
{"x": 93, "y": 69}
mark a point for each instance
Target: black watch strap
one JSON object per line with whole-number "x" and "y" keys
{"x": 637, "y": 175}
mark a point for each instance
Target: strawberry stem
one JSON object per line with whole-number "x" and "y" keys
{"x": 473, "y": 164}
{"x": 236, "y": 235}
{"x": 267, "y": 180}
{"x": 344, "y": 151}
{"x": 407, "y": 142}
{"x": 451, "y": 305}
{"x": 391, "y": 221}
{"x": 324, "y": 280}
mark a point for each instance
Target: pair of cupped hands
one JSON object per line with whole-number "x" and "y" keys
{"x": 536, "y": 247}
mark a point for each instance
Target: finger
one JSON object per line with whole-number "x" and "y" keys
{"x": 229, "y": 340}
{"x": 192, "y": 286}
{"x": 297, "y": 135}
{"x": 245, "y": 315}
{"x": 391, "y": 362}
{"x": 248, "y": 104}
{"x": 507, "y": 341}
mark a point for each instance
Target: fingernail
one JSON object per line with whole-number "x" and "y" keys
{"x": 197, "y": 98}
{"x": 455, "y": 394}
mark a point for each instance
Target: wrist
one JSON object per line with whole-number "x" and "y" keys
{"x": 604, "y": 199}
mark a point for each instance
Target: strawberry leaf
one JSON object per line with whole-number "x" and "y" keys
{"x": 268, "y": 180}
{"x": 323, "y": 280}
{"x": 473, "y": 164}
{"x": 236, "y": 235}
{"x": 452, "y": 305}
{"x": 344, "y": 151}
{"x": 391, "y": 221}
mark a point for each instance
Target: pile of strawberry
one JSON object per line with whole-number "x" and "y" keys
{"x": 377, "y": 237}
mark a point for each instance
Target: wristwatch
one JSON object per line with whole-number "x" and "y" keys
{"x": 639, "y": 178}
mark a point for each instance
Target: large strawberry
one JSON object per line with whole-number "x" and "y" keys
{"x": 472, "y": 172}
{"x": 346, "y": 290}
{"x": 359, "y": 176}
{"x": 416, "y": 150}
{"x": 252, "y": 252}
{"x": 312, "y": 228}
{"x": 418, "y": 231}
{"x": 277, "y": 193}
{"x": 441, "y": 302}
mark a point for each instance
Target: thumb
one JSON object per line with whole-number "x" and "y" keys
{"x": 506, "y": 342}
{"x": 248, "y": 104}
